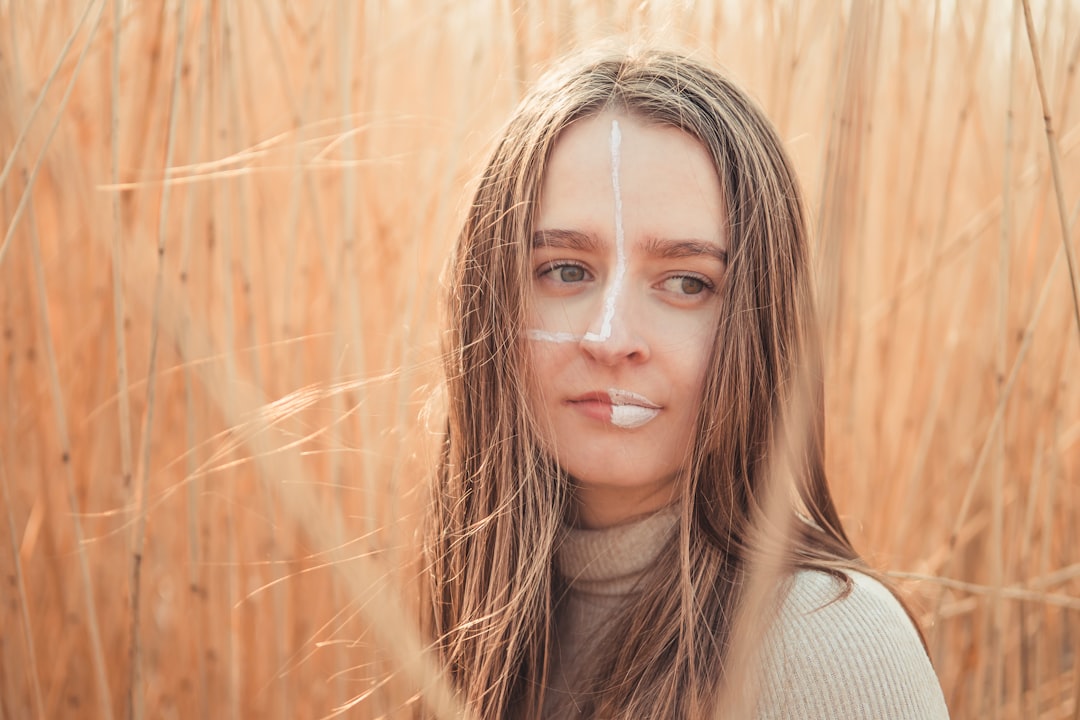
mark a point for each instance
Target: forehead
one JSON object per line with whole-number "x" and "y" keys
{"x": 667, "y": 180}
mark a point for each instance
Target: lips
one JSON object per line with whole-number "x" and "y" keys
{"x": 622, "y": 408}
{"x": 632, "y": 416}
{"x": 626, "y": 397}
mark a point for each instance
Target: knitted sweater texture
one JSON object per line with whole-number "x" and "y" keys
{"x": 858, "y": 657}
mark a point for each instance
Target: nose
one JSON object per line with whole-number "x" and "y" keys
{"x": 617, "y": 335}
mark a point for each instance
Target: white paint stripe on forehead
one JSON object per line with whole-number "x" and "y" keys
{"x": 612, "y": 294}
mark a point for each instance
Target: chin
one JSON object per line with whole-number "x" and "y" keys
{"x": 628, "y": 478}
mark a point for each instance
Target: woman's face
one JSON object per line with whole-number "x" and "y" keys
{"x": 628, "y": 257}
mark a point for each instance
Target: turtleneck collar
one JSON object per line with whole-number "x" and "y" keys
{"x": 609, "y": 561}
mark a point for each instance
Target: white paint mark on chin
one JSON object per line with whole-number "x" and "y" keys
{"x": 612, "y": 293}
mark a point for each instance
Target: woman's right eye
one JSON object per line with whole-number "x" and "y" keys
{"x": 571, "y": 273}
{"x": 566, "y": 273}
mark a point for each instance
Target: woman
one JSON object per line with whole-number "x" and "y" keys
{"x": 631, "y": 347}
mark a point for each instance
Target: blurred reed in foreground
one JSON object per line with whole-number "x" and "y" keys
{"x": 223, "y": 228}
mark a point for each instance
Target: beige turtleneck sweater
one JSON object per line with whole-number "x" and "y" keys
{"x": 855, "y": 658}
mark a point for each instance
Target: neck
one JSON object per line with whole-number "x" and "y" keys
{"x": 598, "y": 507}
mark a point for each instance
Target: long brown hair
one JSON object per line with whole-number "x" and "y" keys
{"x": 499, "y": 502}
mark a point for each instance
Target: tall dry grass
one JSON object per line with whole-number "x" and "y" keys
{"x": 223, "y": 227}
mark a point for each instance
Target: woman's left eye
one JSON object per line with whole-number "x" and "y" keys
{"x": 687, "y": 284}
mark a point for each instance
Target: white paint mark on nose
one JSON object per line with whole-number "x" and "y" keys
{"x": 553, "y": 337}
{"x": 612, "y": 293}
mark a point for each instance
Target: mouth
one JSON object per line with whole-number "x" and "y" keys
{"x": 622, "y": 408}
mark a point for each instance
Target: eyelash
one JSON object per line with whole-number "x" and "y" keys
{"x": 551, "y": 267}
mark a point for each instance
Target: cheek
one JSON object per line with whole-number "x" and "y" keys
{"x": 540, "y": 372}
{"x": 687, "y": 341}
{"x": 560, "y": 319}
{"x": 691, "y": 361}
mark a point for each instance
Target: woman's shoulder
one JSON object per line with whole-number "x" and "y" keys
{"x": 855, "y": 655}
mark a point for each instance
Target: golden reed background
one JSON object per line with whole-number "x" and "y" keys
{"x": 223, "y": 228}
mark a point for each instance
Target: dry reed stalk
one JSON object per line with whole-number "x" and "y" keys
{"x": 92, "y": 620}
{"x": 136, "y": 694}
{"x": 119, "y": 306}
{"x": 249, "y": 286}
{"x": 996, "y": 616}
{"x": 19, "y": 576}
{"x": 787, "y": 43}
{"x": 197, "y": 579}
{"x": 1029, "y": 658}
{"x": 995, "y": 421}
{"x": 840, "y": 211}
{"x": 1022, "y": 594}
{"x": 919, "y": 154}
{"x": 1044, "y": 567}
{"x": 923, "y": 347}
{"x": 28, "y": 122}
{"x": 32, "y": 177}
{"x": 931, "y": 417}
{"x": 347, "y": 303}
{"x": 1055, "y": 163}
{"x": 97, "y": 652}
{"x": 298, "y": 179}
{"x": 20, "y": 581}
{"x": 224, "y": 133}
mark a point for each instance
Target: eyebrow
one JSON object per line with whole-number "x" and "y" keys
{"x": 674, "y": 249}
{"x": 662, "y": 248}
{"x": 565, "y": 239}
